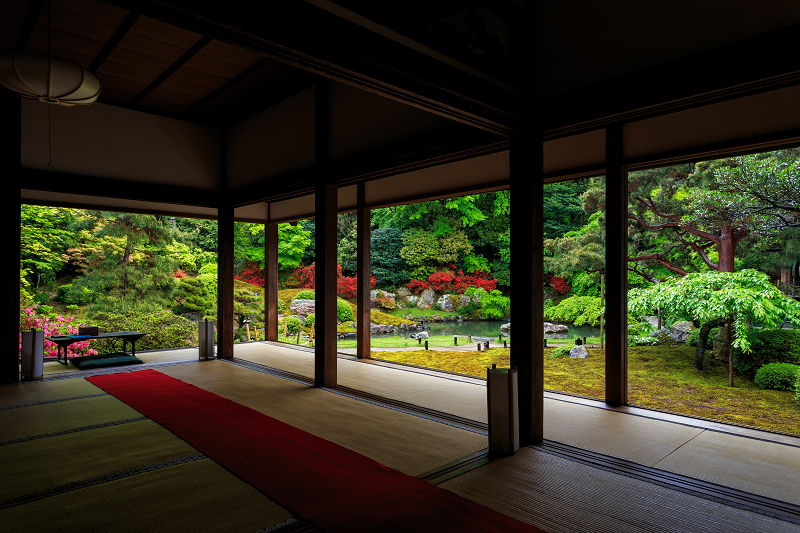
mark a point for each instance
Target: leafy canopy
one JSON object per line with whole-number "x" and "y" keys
{"x": 748, "y": 296}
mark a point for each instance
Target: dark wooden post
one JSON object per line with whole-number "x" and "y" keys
{"x": 527, "y": 274}
{"x": 325, "y": 209}
{"x": 271, "y": 281}
{"x": 616, "y": 270}
{"x": 363, "y": 267}
{"x": 10, "y": 148}
{"x": 225, "y": 283}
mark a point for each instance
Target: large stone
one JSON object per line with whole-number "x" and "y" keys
{"x": 720, "y": 350}
{"x": 426, "y": 299}
{"x": 403, "y": 292}
{"x": 381, "y": 328}
{"x": 421, "y": 335}
{"x": 463, "y": 300}
{"x": 302, "y": 307}
{"x": 379, "y": 294}
{"x": 412, "y": 300}
{"x": 505, "y": 327}
{"x": 445, "y": 303}
{"x": 579, "y": 352}
{"x": 555, "y": 328}
{"x": 673, "y": 335}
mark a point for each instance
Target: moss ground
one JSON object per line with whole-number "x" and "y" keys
{"x": 659, "y": 377}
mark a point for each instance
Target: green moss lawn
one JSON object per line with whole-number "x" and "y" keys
{"x": 659, "y": 377}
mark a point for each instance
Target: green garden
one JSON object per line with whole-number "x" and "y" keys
{"x": 713, "y": 247}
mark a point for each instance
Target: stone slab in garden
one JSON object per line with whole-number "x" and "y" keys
{"x": 302, "y": 307}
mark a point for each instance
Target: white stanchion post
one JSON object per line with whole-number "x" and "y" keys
{"x": 32, "y": 360}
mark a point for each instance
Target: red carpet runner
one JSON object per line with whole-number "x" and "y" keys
{"x": 336, "y": 489}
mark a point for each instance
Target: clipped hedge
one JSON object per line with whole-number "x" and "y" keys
{"x": 769, "y": 346}
{"x": 344, "y": 311}
{"x": 162, "y": 329}
{"x": 305, "y": 295}
{"x": 561, "y": 351}
{"x": 778, "y": 376}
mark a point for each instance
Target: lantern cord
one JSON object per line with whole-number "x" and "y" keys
{"x": 49, "y": 91}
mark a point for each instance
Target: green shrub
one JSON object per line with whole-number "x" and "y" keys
{"x": 310, "y": 319}
{"x": 778, "y": 376}
{"x": 797, "y": 388}
{"x": 577, "y": 309}
{"x": 162, "y": 329}
{"x": 292, "y": 324}
{"x": 305, "y": 295}
{"x": 768, "y": 346}
{"x": 281, "y": 306}
{"x": 344, "y": 311}
{"x": 561, "y": 351}
{"x": 74, "y": 296}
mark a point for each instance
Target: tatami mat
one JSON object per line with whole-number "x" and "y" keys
{"x": 563, "y": 496}
{"x": 408, "y": 443}
{"x": 197, "y": 497}
{"x": 55, "y": 417}
{"x": 42, "y": 464}
{"x": 43, "y": 391}
{"x": 634, "y": 438}
{"x": 751, "y": 465}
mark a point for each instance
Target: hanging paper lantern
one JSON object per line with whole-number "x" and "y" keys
{"x": 49, "y": 79}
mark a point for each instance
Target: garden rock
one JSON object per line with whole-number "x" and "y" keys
{"x": 669, "y": 336}
{"x": 554, "y": 328}
{"x": 506, "y": 327}
{"x": 579, "y": 352}
{"x": 684, "y": 328}
{"x": 379, "y": 294}
{"x": 445, "y": 303}
{"x": 403, "y": 292}
{"x": 421, "y": 335}
{"x": 463, "y": 300}
{"x": 426, "y": 299}
{"x": 720, "y": 351}
{"x": 381, "y": 328}
{"x": 302, "y": 307}
{"x": 411, "y": 300}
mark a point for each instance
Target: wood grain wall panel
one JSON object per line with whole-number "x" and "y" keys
{"x": 231, "y": 54}
{"x": 124, "y": 72}
{"x": 214, "y": 66}
{"x": 137, "y": 61}
{"x": 150, "y": 47}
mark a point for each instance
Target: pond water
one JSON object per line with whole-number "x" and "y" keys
{"x": 490, "y": 329}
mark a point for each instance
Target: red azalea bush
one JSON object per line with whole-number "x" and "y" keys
{"x": 55, "y": 325}
{"x": 252, "y": 274}
{"x": 346, "y": 286}
{"x": 448, "y": 281}
{"x": 179, "y": 274}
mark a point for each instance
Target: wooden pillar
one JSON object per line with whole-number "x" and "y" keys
{"x": 527, "y": 282}
{"x": 363, "y": 268}
{"x": 10, "y": 150}
{"x": 616, "y": 270}
{"x": 225, "y": 283}
{"x": 325, "y": 209}
{"x": 271, "y": 281}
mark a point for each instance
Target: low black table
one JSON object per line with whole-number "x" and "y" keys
{"x": 65, "y": 340}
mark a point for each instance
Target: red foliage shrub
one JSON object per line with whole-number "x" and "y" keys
{"x": 446, "y": 280}
{"x": 346, "y": 286}
{"x": 417, "y": 286}
{"x": 252, "y": 274}
{"x": 179, "y": 274}
{"x": 559, "y": 285}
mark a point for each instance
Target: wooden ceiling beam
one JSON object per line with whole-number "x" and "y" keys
{"x": 235, "y": 81}
{"x": 190, "y": 53}
{"x": 112, "y": 43}
{"x": 24, "y": 37}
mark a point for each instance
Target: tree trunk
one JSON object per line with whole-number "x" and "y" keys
{"x": 726, "y": 246}
{"x": 602, "y": 291}
{"x": 702, "y": 338}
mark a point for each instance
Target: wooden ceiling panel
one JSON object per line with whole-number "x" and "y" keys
{"x": 7, "y": 42}
{"x": 137, "y": 61}
{"x": 214, "y": 66}
{"x": 166, "y": 33}
{"x": 69, "y": 23}
{"x": 231, "y": 54}
{"x": 11, "y": 27}
{"x": 67, "y": 41}
{"x": 192, "y": 89}
{"x": 126, "y": 73}
{"x": 41, "y": 48}
{"x": 182, "y": 99}
{"x": 121, "y": 84}
{"x": 204, "y": 79}
{"x": 92, "y": 10}
{"x": 150, "y": 47}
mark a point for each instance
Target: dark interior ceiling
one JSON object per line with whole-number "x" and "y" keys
{"x": 216, "y": 63}
{"x": 149, "y": 65}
